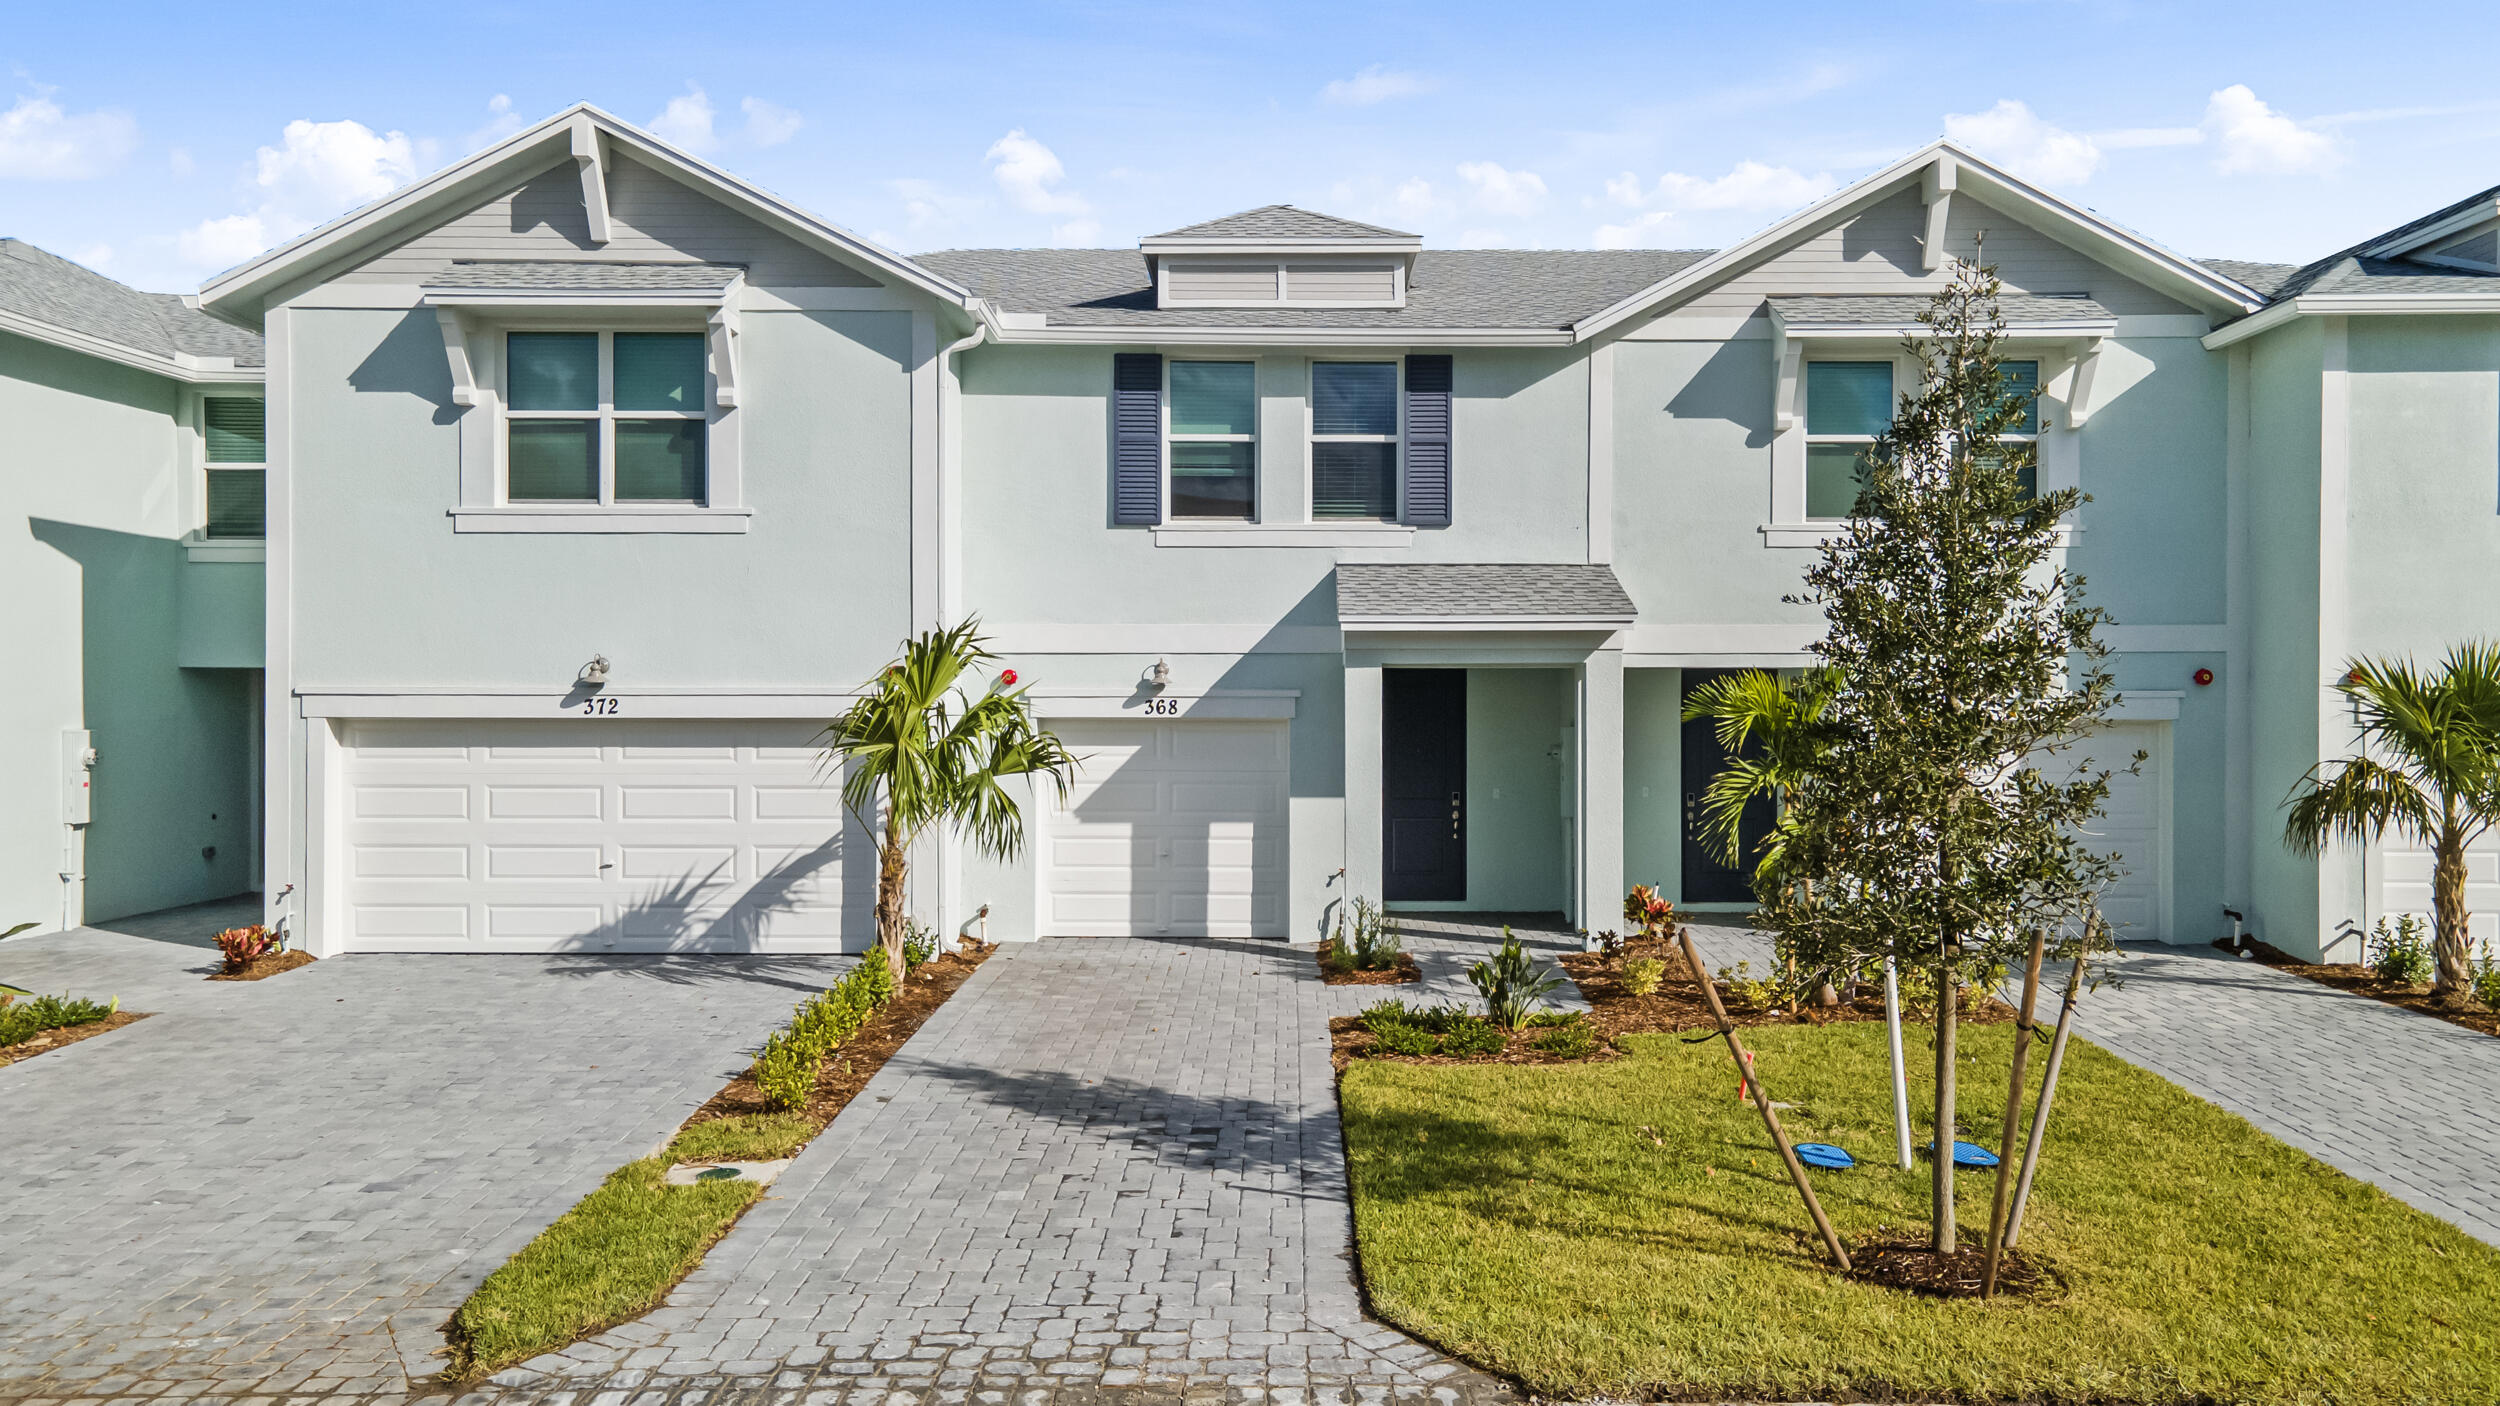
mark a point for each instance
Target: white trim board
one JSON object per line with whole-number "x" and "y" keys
{"x": 560, "y": 704}
{"x": 1147, "y": 703}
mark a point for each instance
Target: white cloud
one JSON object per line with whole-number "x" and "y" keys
{"x": 1503, "y": 192}
{"x": 769, "y": 123}
{"x": 2255, "y": 138}
{"x": 40, "y": 142}
{"x": 321, "y": 170}
{"x": 1417, "y": 200}
{"x": 1029, "y": 172}
{"x": 1376, "y": 84}
{"x": 1639, "y": 232}
{"x": 929, "y": 207}
{"x": 1749, "y": 185}
{"x": 2130, "y": 138}
{"x": 501, "y": 122}
{"x": 687, "y": 121}
{"x": 1076, "y": 234}
{"x": 2014, "y": 136}
{"x": 94, "y": 256}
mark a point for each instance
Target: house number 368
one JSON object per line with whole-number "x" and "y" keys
{"x": 1163, "y": 707}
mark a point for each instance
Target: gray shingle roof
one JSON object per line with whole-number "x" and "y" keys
{"x": 1890, "y": 311}
{"x": 1488, "y": 288}
{"x": 1282, "y": 222}
{"x": 583, "y": 276}
{"x": 51, "y": 289}
{"x": 2263, "y": 278}
{"x": 2345, "y": 271}
{"x": 1487, "y": 592}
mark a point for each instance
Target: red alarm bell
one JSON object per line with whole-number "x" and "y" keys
{"x": 1008, "y": 678}
{"x": 2204, "y": 677}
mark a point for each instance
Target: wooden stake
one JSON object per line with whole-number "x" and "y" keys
{"x": 2048, "y": 1093}
{"x": 1762, "y": 1100}
{"x": 2013, "y": 1113}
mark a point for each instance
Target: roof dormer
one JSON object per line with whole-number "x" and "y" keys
{"x": 1279, "y": 257}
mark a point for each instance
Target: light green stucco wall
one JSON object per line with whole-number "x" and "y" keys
{"x": 387, "y": 594}
{"x": 2153, "y": 549}
{"x": 2287, "y": 689}
{"x": 95, "y": 579}
{"x": 1653, "y": 774}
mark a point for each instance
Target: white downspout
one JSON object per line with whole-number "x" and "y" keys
{"x": 950, "y": 566}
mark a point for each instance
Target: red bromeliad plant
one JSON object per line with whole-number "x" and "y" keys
{"x": 1645, "y": 910}
{"x": 244, "y": 946}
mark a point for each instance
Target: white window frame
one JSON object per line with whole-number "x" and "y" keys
{"x": 1257, "y": 457}
{"x": 606, "y": 416}
{"x": 2039, "y": 414}
{"x": 473, "y": 333}
{"x": 197, "y": 544}
{"x": 1805, "y": 378}
{"x": 1312, "y": 438}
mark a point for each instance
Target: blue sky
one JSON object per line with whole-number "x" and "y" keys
{"x": 161, "y": 144}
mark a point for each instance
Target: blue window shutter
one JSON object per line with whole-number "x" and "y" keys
{"x": 1428, "y": 441}
{"x": 1137, "y": 439}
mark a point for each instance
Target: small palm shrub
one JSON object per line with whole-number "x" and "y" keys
{"x": 1641, "y": 975}
{"x": 1510, "y": 983}
{"x": 2402, "y": 953}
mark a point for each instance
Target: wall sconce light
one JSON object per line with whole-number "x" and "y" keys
{"x": 1160, "y": 676}
{"x": 595, "y": 673}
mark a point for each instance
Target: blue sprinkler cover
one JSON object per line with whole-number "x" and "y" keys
{"x": 1968, "y": 1154}
{"x": 1824, "y": 1155}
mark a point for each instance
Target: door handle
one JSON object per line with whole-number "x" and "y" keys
{"x": 1457, "y": 808}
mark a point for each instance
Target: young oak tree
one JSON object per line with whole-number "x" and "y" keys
{"x": 1936, "y": 826}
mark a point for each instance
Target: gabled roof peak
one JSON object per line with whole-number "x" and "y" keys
{"x": 1271, "y": 225}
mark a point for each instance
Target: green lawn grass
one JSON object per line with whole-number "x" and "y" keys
{"x": 1626, "y": 1228}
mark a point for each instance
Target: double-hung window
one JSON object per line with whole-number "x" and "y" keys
{"x": 1354, "y": 439}
{"x": 605, "y": 417}
{"x": 2022, "y": 385}
{"x": 238, "y": 456}
{"x": 1212, "y": 440}
{"x": 1848, "y": 405}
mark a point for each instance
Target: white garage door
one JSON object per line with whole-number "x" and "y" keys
{"x": 2402, "y": 875}
{"x": 2135, "y": 826}
{"x": 469, "y": 836}
{"x": 1173, "y": 829}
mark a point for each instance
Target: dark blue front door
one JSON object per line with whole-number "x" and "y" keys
{"x": 1423, "y": 782}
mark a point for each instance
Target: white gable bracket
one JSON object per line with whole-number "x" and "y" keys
{"x": 1786, "y": 352}
{"x": 2079, "y": 397}
{"x": 456, "y": 347}
{"x": 1937, "y": 188}
{"x": 588, "y": 156}
{"x": 723, "y": 326}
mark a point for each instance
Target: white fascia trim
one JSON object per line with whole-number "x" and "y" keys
{"x": 2079, "y": 329}
{"x": 1315, "y": 244}
{"x": 1002, "y": 331}
{"x": 2353, "y": 305}
{"x": 2140, "y": 705}
{"x": 2411, "y": 240}
{"x": 1815, "y": 534}
{"x": 1497, "y": 624}
{"x": 1281, "y": 534}
{"x": 586, "y": 298}
{"x": 1139, "y": 701}
{"x": 230, "y": 294}
{"x": 191, "y": 370}
{"x": 533, "y": 517}
{"x": 422, "y": 701}
{"x": 1171, "y": 640}
{"x": 2114, "y": 239}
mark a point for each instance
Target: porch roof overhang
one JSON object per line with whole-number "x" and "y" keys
{"x": 1480, "y": 598}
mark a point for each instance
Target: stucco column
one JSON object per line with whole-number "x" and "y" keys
{"x": 1599, "y": 868}
{"x": 1362, "y": 784}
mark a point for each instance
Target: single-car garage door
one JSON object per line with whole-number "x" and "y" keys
{"x": 1173, "y": 829}
{"x": 524, "y": 836}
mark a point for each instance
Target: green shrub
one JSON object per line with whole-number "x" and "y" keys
{"x": 2402, "y": 954}
{"x": 1471, "y": 1037}
{"x": 873, "y": 980}
{"x": 1747, "y": 993}
{"x": 24, "y": 1020}
{"x": 1405, "y": 1040}
{"x": 1574, "y": 1040}
{"x": 1546, "y": 1018}
{"x": 1510, "y": 983}
{"x": 2487, "y": 979}
{"x": 1641, "y": 975}
{"x": 785, "y": 1071}
{"x": 920, "y": 943}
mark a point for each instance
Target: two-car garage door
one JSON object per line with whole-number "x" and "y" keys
{"x": 609, "y": 836}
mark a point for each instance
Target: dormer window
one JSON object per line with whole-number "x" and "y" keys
{"x": 1278, "y": 256}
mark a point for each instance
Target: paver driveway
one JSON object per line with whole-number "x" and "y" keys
{"x": 287, "y": 1185}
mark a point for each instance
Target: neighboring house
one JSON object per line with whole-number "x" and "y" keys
{"x": 598, "y": 479}
{"x": 130, "y": 562}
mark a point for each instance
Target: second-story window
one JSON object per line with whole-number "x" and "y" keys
{"x": 1354, "y": 439}
{"x": 238, "y": 456}
{"x": 604, "y": 417}
{"x": 2022, "y": 383}
{"x": 1848, "y": 405}
{"x": 1213, "y": 440}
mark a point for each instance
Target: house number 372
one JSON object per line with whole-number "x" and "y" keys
{"x": 1163, "y": 707}
{"x": 599, "y": 708}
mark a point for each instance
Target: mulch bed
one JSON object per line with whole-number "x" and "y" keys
{"x": 51, "y": 1040}
{"x": 1348, "y": 1041}
{"x": 1677, "y": 1005}
{"x": 262, "y": 968}
{"x": 847, "y": 1070}
{"x": 1911, "y": 1265}
{"x": 1404, "y": 971}
{"x": 2360, "y": 980}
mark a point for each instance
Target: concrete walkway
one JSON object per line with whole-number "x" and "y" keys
{"x": 1106, "y": 1164}
{"x": 285, "y": 1186}
{"x": 2386, "y": 1095}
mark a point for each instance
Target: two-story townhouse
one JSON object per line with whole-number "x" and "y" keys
{"x": 130, "y": 563}
{"x": 1355, "y": 568}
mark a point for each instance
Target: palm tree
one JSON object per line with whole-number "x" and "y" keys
{"x": 920, "y": 751}
{"x": 1766, "y": 725}
{"x": 2439, "y": 784}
